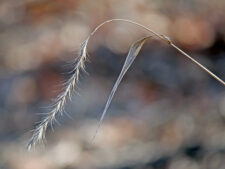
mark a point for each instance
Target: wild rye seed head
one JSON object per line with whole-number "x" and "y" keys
{"x": 40, "y": 131}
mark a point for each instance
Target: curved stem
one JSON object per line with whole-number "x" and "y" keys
{"x": 128, "y": 21}
{"x": 161, "y": 37}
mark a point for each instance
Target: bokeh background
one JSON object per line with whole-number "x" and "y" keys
{"x": 167, "y": 112}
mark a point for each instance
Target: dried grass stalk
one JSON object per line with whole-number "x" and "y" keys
{"x": 40, "y": 130}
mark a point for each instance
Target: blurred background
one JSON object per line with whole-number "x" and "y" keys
{"x": 167, "y": 112}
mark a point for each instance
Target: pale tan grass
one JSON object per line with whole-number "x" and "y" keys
{"x": 40, "y": 130}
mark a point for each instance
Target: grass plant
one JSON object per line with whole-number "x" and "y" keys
{"x": 40, "y": 130}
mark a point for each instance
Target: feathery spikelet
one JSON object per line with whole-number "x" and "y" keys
{"x": 40, "y": 130}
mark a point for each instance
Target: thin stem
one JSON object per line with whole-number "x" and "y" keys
{"x": 199, "y": 64}
{"x": 128, "y": 21}
{"x": 165, "y": 39}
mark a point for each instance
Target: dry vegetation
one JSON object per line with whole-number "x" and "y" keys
{"x": 40, "y": 130}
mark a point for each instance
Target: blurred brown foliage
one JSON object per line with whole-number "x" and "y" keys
{"x": 167, "y": 114}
